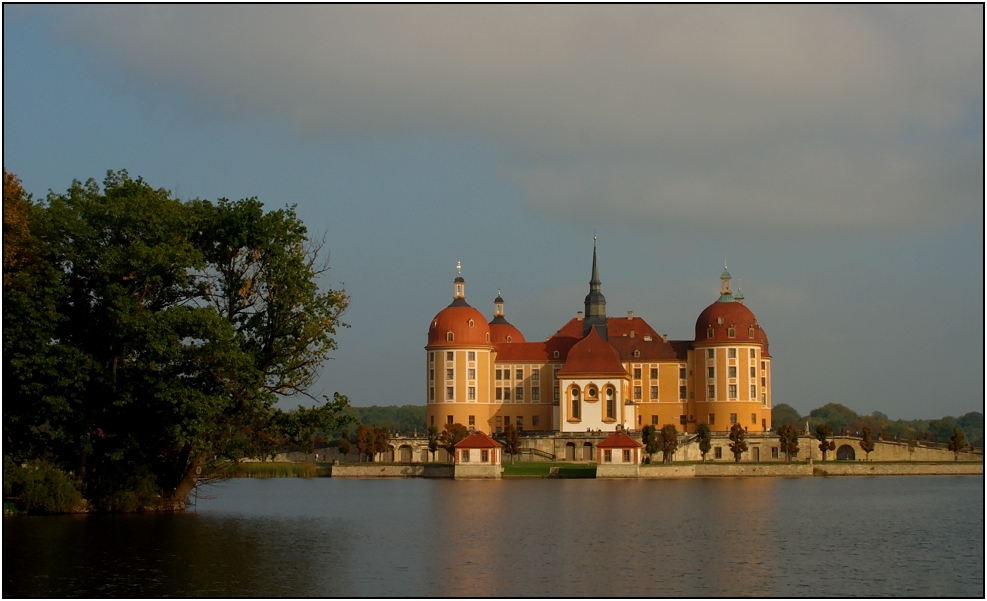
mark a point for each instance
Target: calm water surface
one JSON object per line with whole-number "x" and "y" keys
{"x": 903, "y": 536}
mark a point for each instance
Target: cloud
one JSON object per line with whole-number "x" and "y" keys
{"x": 713, "y": 117}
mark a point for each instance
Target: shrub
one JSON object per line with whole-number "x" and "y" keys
{"x": 39, "y": 486}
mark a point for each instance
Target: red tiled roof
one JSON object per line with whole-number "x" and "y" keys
{"x": 655, "y": 349}
{"x": 734, "y": 315}
{"x": 478, "y": 440}
{"x": 619, "y": 440}
{"x": 535, "y": 351}
{"x": 455, "y": 319}
{"x": 593, "y": 355}
{"x": 500, "y": 331}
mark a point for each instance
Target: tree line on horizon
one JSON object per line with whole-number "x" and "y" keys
{"x": 843, "y": 420}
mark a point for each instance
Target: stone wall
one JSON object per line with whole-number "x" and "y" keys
{"x": 477, "y": 471}
{"x": 379, "y": 470}
{"x": 618, "y": 470}
{"x": 847, "y": 468}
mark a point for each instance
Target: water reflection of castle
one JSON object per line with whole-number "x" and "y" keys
{"x": 598, "y": 372}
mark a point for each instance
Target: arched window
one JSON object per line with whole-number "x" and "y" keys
{"x": 449, "y": 336}
{"x": 488, "y": 336}
{"x": 508, "y": 338}
{"x": 732, "y": 333}
{"x": 575, "y": 407}
{"x": 709, "y": 332}
{"x": 555, "y": 354}
{"x": 471, "y": 323}
{"x": 750, "y": 333}
{"x": 637, "y": 353}
{"x": 610, "y": 408}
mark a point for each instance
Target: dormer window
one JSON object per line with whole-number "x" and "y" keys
{"x": 709, "y": 332}
{"x": 488, "y": 336}
{"x": 637, "y": 353}
{"x": 508, "y": 338}
{"x": 471, "y": 323}
{"x": 449, "y": 336}
{"x": 731, "y": 333}
{"x": 750, "y": 333}
{"x": 555, "y": 354}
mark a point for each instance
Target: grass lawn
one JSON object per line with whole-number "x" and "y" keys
{"x": 540, "y": 469}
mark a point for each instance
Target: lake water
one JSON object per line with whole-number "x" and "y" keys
{"x": 865, "y": 536}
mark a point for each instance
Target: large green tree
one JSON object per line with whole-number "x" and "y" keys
{"x": 668, "y": 441}
{"x": 738, "y": 441}
{"x": 705, "y": 439}
{"x": 788, "y": 439}
{"x": 152, "y": 336}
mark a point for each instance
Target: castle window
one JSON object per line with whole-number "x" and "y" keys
{"x": 449, "y": 354}
{"x": 754, "y": 419}
{"x": 520, "y": 421}
{"x": 732, "y": 353}
{"x": 654, "y": 420}
{"x": 591, "y": 391}
{"x": 710, "y": 354}
{"x": 682, "y": 391}
{"x": 764, "y": 399}
{"x": 535, "y": 374}
{"x": 731, "y": 333}
{"x": 448, "y": 419}
{"x": 627, "y": 455}
{"x": 763, "y": 363}
{"x": 555, "y": 372}
{"x": 681, "y": 373}
{"x": 774, "y": 452}
{"x": 534, "y": 393}
{"x": 712, "y": 419}
{"x": 499, "y": 393}
{"x": 637, "y": 353}
{"x": 507, "y": 394}
{"x": 654, "y": 393}
{"x": 753, "y": 372}
{"x": 654, "y": 373}
{"x": 472, "y": 420}
{"x": 555, "y": 354}
{"x": 637, "y": 393}
{"x": 637, "y": 373}
{"x": 471, "y": 323}
{"x": 471, "y": 394}
{"x": 484, "y": 456}
{"x": 534, "y": 420}
{"x": 488, "y": 336}
{"x": 471, "y": 356}
{"x": 733, "y": 371}
{"x": 431, "y": 374}
{"x": 609, "y": 392}
{"x": 575, "y": 408}
{"x": 448, "y": 374}
{"x": 508, "y": 338}
{"x": 709, "y": 332}
{"x": 519, "y": 374}
{"x": 498, "y": 374}
{"x": 471, "y": 374}
{"x": 682, "y": 420}
{"x": 449, "y": 394}
{"x": 607, "y": 456}
{"x": 431, "y": 393}
{"x": 575, "y": 392}
{"x": 752, "y": 353}
{"x": 733, "y": 418}
{"x": 750, "y": 334}
{"x": 753, "y": 391}
{"x": 711, "y": 372}
{"x": 764, "y": 381}
{"x": 431, "y": 357}
{"x": 555, "y": 393}
{"x": 449, "y": 336}
{"x": 718, "y": 452}
{"x": 519, "y": 393}
{"x": 712, "y": 392}
{"x": 733, "y": 391}
{"x": 466, "y": 455}
{"x": 610, "y": 409}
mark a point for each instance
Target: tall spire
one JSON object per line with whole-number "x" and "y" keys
{"x": 459, "y": 288}
{"x": 725, "y": 295}
{"x": 595, "y": 304}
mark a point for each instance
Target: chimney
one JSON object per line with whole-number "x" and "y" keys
{"x": 579, "y": 315}
{"x": 630, "y": 315}
{"x": 664, "y": 337}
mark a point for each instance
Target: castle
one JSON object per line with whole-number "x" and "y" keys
{"x": 598, "y": 372}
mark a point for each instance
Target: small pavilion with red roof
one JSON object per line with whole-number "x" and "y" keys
{"x": 478, "y": 456}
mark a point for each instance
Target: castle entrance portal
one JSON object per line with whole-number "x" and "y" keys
{"x": 570, "y": 451}
{"x": 846, "y": 453}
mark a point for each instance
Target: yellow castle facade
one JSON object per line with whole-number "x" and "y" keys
{"x": 597, "y": 372}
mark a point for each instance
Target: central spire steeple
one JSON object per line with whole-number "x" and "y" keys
{"x": 595, "y": 304}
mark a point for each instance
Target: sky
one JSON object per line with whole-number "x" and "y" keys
{"x": 833, "y": 156}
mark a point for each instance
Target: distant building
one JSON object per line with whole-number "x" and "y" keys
{"x": 598, "y": 372}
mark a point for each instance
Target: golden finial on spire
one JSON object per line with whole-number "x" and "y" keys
{"x": 459, "y": 268}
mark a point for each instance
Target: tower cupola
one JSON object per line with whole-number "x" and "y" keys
{"x": 595, "y": 304}
{"x": 725, "y": 295}
{"x": 498, "y": 305}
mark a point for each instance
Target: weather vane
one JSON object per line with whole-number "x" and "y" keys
{"x": 459, "y": 268}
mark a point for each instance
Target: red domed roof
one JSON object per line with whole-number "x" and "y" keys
{"x": 500, "y": 330}
{"x": 723, "y": 315}
{"x": 468, "y": 326}
{"x": 593, "y": 356}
